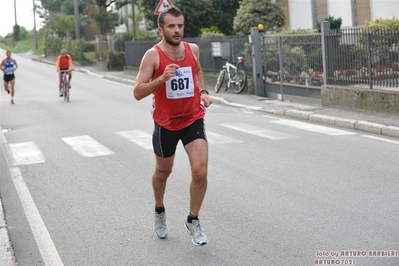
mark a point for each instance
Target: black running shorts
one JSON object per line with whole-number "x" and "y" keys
{"x": 165, "y": 141}
{"x": 8, "y": 78}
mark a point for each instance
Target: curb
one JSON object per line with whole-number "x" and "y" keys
{"x": 379, "y": 129}
{"x": 6, "y": 252}
{"x": 120, "y": 80}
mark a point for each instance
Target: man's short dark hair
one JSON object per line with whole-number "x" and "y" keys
{"x": 174, "y": 11}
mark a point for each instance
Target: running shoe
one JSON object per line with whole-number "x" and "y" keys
{"x": 160, "y": 227}
{"x": 12, "y": 101}
{"x": 194, "y": 229}
{"x": 61, "y": 95}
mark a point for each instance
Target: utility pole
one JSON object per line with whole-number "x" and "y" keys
{"x": 134, "y": 19}
{"x": 34, "y": 25}
{"x": 15, "y": 11}
{"x": 77, "y": 30}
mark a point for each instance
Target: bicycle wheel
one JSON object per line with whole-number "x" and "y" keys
{"x": 239, "y": 81}
{"x": 66, "y": 91}
{"x": 219, "y": 81}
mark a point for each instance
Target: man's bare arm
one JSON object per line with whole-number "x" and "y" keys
{"x": 144, "y": 84}
{"x": 207, "y": 101}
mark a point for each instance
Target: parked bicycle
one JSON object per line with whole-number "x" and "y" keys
{"x": 65, "y": 84}
{"x": 237, "y": 78}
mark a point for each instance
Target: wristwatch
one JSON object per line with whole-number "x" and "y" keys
{"x": 201, "y": 91}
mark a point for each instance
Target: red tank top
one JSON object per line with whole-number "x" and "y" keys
{"x": 177, "y": 102}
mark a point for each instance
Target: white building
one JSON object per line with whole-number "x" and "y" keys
{"x": 304, "y": 14}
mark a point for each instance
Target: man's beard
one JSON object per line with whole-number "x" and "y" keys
{"x": 170, "y": 41}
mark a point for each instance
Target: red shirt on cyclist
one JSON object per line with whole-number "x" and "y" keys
{"x": 64, "y": 62}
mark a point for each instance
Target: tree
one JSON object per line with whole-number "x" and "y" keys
{"x": 16, "y": 33}
{"x": 198, "y": 14}
{"x": 254, "y": 12}
{"x": 105, "y": 20}
{"x": 225, "y": 11}
{"x": 58, "y": 5}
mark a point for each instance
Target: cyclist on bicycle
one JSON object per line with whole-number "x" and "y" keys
{"x": 64, "y": 62}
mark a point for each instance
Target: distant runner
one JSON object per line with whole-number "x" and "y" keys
{"x": 8, "y": 66}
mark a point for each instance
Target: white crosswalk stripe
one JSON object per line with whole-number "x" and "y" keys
{"x": 314, "y": 128}
{"x": 26, "y": 153}
{"x": 258, "y": 131}
{"x": 87, "y": 146}
{"x": 29, "y": 153}
{"x": 215, "y": 138}
{"x": 138, "y": 137}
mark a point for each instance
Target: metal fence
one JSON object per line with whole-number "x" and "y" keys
{"x": 237, "y": 46}
{"x": 356, "y": 56}
{"x": 352, "y": 56}
{"x": 294, "y": 58}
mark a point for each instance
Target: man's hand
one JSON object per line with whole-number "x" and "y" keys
{"x": 169, "y": 72}
{"x": 206, "y": 100}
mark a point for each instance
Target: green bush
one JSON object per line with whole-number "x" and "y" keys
{"x": 334, "y": 23}
{"x": 74, "y": 47}
{"x": 120, "y": 42}
{"x": 53, "y": 45}
{"x": 382, "y": 39}
{"x": 116, "y": 60}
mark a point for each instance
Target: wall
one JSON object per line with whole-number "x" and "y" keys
{"x": 382, "y": 101}
{"x": 300, "y": 14}
{"x": 384, "y": 9}
{"x": 341, "y": 9}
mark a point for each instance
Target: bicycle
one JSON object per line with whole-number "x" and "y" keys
{"x": 237, "y": 78}
{"x": 65, "y": 84}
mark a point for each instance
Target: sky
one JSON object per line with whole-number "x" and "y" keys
{"x": 24, "y": 15}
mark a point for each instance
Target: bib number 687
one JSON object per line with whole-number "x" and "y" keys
{"x": 179, "y": 84}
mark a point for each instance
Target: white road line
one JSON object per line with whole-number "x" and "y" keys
{"x": 138, "y": 137}
{"x": 271, "y": 117}
{"x": 43, "y": 239}
{"x": 26, "y": 153}
{"x": 381, "y": 139}
{"x": 313, "y": 128}
{"x": 258, "y": 131}
{"x": 87, "y": 146}
{"x": 214, "y": 138}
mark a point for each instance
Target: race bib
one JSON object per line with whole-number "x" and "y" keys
{"x": 181, "y": 85}
{"x": 10, "y": 70}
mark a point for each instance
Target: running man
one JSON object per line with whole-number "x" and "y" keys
{"x": 8, "y": 66}
{"x": 64, "y": 62}
{"x": 172, "y": 73}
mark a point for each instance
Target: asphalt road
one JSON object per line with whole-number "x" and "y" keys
{"x": 76, "y": 184}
